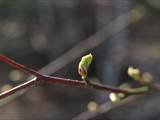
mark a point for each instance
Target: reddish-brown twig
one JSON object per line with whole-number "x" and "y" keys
{"x": 17, "y": 88}
{"x": 39, "y": 77}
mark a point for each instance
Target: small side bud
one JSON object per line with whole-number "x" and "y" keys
{"x": 134, "y": 73}
{"x": 113, "y": 97}
{"x": 116, "y": 97}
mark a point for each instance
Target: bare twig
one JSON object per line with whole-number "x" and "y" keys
{"x": 50, "y": 79}
{"x": 17, "y": 88}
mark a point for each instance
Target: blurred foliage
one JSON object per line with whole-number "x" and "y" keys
{"x": 6, "y": 87}
{"x": 16, "y": 75}
{"x": 92, "y": 106}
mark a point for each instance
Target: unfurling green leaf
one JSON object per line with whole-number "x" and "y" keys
{"x": 84, "y": 65}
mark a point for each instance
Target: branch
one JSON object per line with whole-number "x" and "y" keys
{"x": 49, "y": 79}
{"x": 18, "y": 88}
{"x": 90, "y": 43}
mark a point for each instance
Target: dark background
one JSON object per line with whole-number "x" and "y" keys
{"x": 119, "y": 33}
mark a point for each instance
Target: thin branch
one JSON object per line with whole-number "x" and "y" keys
{"x": 19, "y": 66}
{"x": 82, "y": 84}
{"x": 18, "y": 88}
{"x": 50, "y": 79}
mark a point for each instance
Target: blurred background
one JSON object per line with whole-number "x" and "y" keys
{"x": 52, "y": 36}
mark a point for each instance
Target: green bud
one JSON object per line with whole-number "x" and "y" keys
{"x": 134, "y": 73}
{"x": 84, "y": 65}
